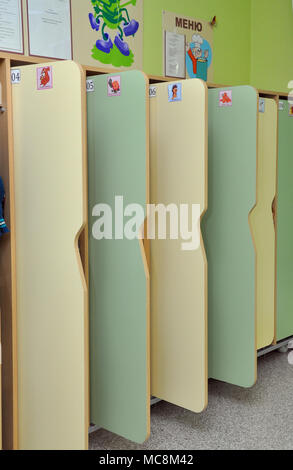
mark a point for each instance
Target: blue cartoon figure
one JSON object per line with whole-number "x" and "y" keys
{"x": 199, "y": 57}
{"x": 113, "y": 15}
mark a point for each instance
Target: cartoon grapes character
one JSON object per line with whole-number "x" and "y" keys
{"x": 114, "y": 16}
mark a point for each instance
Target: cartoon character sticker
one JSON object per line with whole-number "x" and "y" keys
{"x": 225, "y": 98}
{"x": 175, "y": 92}
{"x": 198, "y": 57}
{"x": 44, "y": 78}
{"x": 111, "y": 16}
{"x": 114, "y": 86}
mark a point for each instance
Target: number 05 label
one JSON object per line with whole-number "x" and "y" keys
{"x": 90, "y": 86}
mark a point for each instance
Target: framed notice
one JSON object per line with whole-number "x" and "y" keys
{"x": 49, "y": 28}
{"x": 174, "y": 55}
{"x": 199, "y": 38}
{"x": 11, "y": 31}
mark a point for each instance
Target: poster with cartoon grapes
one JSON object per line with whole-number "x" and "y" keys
{"x": 113, "y": 23}
{"x": 108, "y": 33}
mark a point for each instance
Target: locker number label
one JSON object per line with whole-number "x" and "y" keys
{"x": 90, "y": 86}
{"x": 262, "y": 105}
{"x": 153, "y": 91}
{"x": 15, "y": 76}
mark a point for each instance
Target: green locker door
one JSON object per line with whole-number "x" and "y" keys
{"x": 119, "y": 284}
{"x": 227, "y": 235}
{"x": 285, "y": 225}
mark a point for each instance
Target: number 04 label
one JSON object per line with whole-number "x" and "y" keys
{"x": 15, "y": 76}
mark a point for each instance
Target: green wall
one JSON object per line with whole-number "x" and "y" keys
{"x": 231, "y": 35}
{"x": 253, "y": 41}
{"x": 272, "y": 44}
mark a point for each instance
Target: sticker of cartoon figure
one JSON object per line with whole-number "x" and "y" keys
{"x": 199, "y": 57}
{"x": 114, "y": 16}
{"x": 44, "y": 77}
{"x": 175, "y": 92}
{"x": 114, "y": 86}
{"x": 225, "y": 98}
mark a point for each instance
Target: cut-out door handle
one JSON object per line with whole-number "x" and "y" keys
{"x": 274, "y": 210}
{"x": 144, "y": 248}
{"x": 80, "y": 249}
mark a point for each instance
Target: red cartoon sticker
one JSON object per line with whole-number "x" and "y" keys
{"x": 44, "y": 78}
{"x": 114, "y": 86}
{"x": 225, "y": 98}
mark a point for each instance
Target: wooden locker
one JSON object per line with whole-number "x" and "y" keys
{"x": 285, "y": 224}
{"x": 233, "y": 114}
{"x": 178, "y": 143}
{"x": 49, "y": 119}
{"x": 118, "y": 157}
{"x": 262, "y": 222}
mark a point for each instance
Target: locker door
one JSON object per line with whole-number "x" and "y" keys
{"x": 179, "y": 278}
{"x": 228, "y": 237}
{"x": 263, "y": 222}
{"x": 119, "y": 278}
{"x": 50, "y": 213}
{"x": 285, "y": 224}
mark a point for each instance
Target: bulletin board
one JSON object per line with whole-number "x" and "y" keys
{"x": 49, "y": 45}
{"x": 91, "y": 19}
{"x": 199, "y": 38}
{"x": 49, "y": 28}
{"x": 11, "y": 26}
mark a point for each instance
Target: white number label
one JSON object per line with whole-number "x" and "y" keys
{"x": 90, "y": 86}
{"x": 15, "y": 76}
{"x": 262, "y": 105}
{"x": 153, "y": 91}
